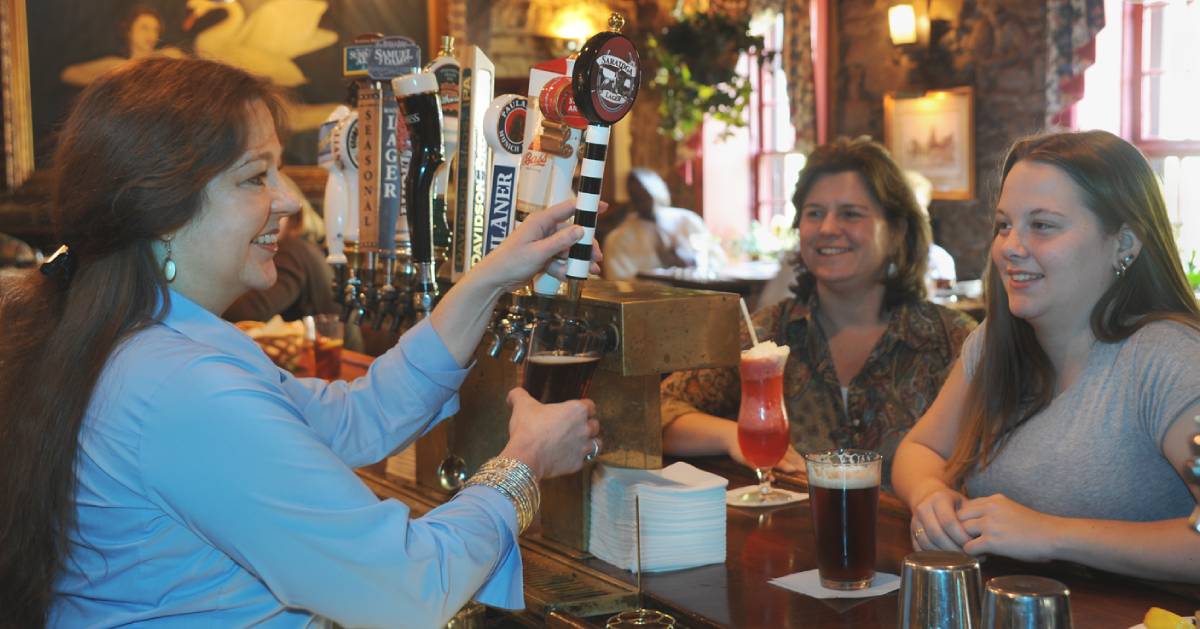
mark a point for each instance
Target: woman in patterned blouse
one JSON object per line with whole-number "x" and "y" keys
{"x": 868, "y": 352}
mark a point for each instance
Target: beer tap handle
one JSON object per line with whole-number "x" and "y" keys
{"x": 417, "y": 94}
{"x": 330, "y": 144}
{"x": 604, "y": 82}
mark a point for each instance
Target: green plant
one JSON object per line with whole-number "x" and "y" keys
{"x": 697, "y": 72}
{"x": 1193, "y": 272}
{"x": 774, "y": 240}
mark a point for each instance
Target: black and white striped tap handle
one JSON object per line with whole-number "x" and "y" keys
{"x": 605, "y": 83}
{"x": 587, "y": 203}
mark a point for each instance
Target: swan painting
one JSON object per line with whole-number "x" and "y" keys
{"x": 265, "y": 41}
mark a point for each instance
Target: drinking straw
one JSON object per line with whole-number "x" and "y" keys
{"x": 749, "y": 323}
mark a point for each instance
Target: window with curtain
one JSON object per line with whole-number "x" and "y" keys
{"x": 750, "y": 173}
{"x": 775, "y": 162}
{"x": 1145, "y": 86}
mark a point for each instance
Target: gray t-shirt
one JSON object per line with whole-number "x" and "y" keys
{"x": 1096, "y": 451}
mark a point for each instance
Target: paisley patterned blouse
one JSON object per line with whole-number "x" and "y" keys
{"x": 898, "y": 382}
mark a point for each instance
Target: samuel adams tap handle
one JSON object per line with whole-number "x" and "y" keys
{"x": 605, "y": 83}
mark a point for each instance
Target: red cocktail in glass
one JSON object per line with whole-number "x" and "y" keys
{"x": 763, "y": 433}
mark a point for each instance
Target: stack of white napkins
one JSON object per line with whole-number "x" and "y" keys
{"x": 682, "y": 513}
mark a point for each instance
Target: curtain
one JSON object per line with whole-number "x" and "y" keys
{"x": 1071, "y": 27}
{"x": 797, "y": 65}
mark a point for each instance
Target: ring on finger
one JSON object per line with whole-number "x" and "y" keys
{"x": 919, "y": 531}
{"x": 591, "y": 456}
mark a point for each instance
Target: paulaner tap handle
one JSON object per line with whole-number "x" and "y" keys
{"x": 418, "y": 97}
{"x": 605, "y": 83}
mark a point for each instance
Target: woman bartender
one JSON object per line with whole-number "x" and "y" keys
{"x": 156, "y": 468}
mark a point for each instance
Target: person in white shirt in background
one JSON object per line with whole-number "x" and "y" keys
{"x": 654, "y": 234}
{"x": 941, "y": 263}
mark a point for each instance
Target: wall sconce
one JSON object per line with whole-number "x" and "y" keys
{"x": 917, "y": 29}
{"x": 568, "y": 25}
{"x": 902, "y": 24}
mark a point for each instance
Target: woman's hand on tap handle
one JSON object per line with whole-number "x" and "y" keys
{"x": 538, "y": 244}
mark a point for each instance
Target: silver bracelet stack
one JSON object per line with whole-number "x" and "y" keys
{"x": 515, "y": 481}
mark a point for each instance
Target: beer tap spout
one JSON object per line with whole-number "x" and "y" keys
{"x": 386, "y": 306}
{"x": 519, "y": 348}
{"x": 352, "y": 308}
{"x": 496, "y": 333}
{"x": 338, "y": 286}
{"x": 369, "y": 298}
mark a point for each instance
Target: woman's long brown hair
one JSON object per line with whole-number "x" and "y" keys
{"x": 131, "y": 166}
{"x": 1015, "y": 378}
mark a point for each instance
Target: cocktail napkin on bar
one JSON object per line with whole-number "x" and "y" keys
{"x": 682, "y": 514}
{"x": 809, "y": 584}
{"x": 733, "y": 498}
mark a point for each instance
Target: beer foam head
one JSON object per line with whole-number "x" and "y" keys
{"x": 563, "y": 359}
{"x": 844, "y": 469}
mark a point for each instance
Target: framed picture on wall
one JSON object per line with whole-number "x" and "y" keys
{"x": 934, "y": 134}
{"x": 53, "y": 48}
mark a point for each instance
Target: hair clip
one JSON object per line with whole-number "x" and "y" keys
{"x": 60, "y": 266}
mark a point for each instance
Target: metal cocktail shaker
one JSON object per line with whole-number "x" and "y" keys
{"x": 1026, "y": 602}
{"x": 939, "y": 590}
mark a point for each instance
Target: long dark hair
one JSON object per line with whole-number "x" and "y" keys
{"x": 886, "y": 183}
{"x": 132, "y": 162}
{"x": 1015, "y": 378}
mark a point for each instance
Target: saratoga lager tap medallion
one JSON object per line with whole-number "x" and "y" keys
{"x": 605, "y": 82}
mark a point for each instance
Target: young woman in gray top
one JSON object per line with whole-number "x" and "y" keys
{"x": 1061, "y": 431}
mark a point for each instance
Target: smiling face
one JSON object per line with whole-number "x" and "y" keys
{"x": 844, "y": 234}
{"x": 228, "y": 248}
{"x": 1050, "y": 252}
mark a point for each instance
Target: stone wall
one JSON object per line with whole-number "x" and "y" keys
{"x": 996, "y": 46}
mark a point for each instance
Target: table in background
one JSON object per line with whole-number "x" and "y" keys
{"x": 745, "y": 278}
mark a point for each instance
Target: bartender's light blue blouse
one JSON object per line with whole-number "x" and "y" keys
{"x": 216, "y": 490}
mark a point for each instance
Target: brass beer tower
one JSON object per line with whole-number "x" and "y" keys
{"x": 653, "y": 329}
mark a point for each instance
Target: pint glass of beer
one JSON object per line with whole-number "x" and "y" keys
{"x": 562, "y": 357}
{"x": 844, "y": 489}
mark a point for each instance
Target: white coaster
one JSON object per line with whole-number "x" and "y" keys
{"x": 809, "y": 584}
{"x": 733, "y": 497}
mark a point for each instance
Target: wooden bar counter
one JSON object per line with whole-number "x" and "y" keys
{"x": 766, "y": 543}
{"x": 762, "y": 544}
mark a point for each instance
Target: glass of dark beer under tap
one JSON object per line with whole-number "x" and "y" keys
{"x": 563, "y": 355}
{"x": 844, "y": 489}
